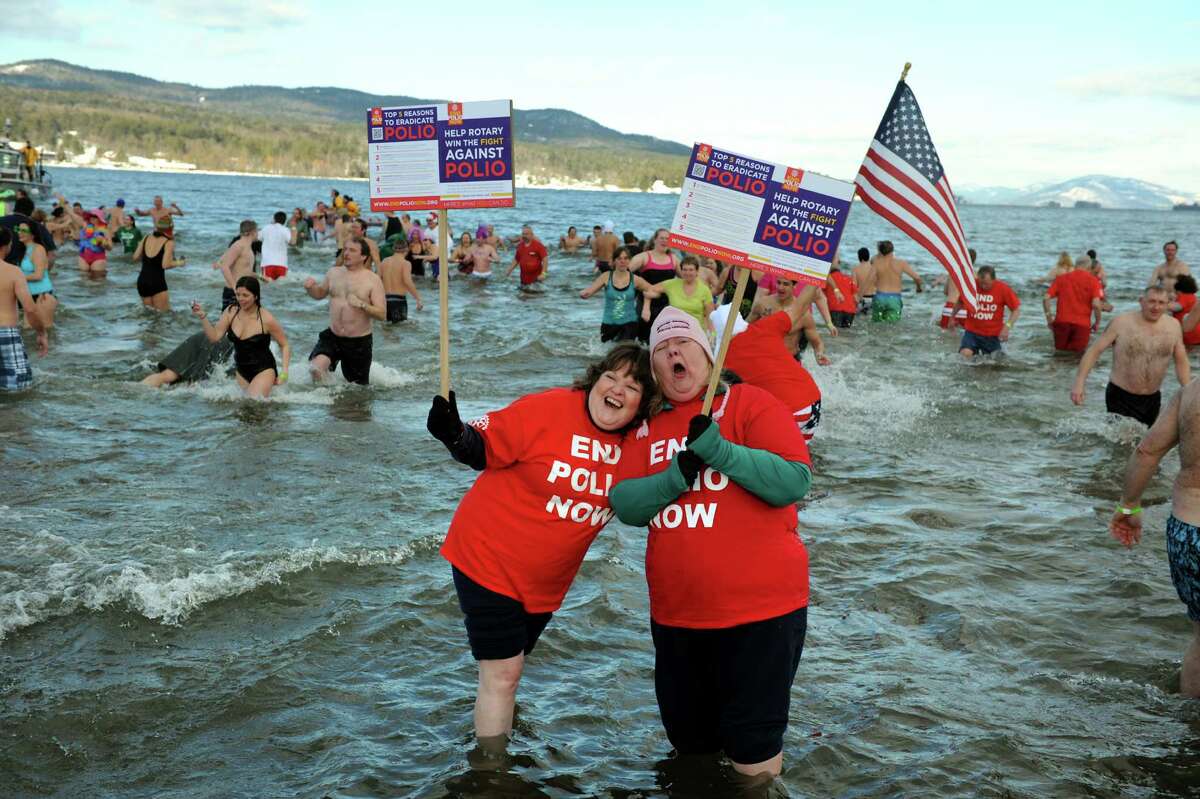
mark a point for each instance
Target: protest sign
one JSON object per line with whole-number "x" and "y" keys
{"x": 441, "y": 155}
{"x": 778, "y": 219}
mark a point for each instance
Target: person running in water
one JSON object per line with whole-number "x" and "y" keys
{"x": 238, "y": 261}
{"x": 15, "y": 372}
{"x": 888, "y": 305}
{"x": 156, "y": 254}
{"x": 356, "y": 296}
{"x": 250, "y": 328}
{"x": 396, "y": 273}
{"x": 158, "y": 210}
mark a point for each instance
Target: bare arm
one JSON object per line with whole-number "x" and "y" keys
{"x": 285, "y": 350}
{"x": 1097, "y": 313}
{"x": 169, "y": 261}
{"x": 1143, "y": 462}
{"x": 1183, "y": 369}
{"x": 214, "y": 332}
{"x": 406, "y": 276}
{"x": 907, "y": 269}
{"x": 597, "y": 284}
{"x": 1088, "y": 362}
{"x": 318, "y": 291}
{"x": 376, "y": 305}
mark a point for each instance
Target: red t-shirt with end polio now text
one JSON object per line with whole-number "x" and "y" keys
{"x": 719, "y": 556}
{"x": 524, "y": 526}
{"x": 1075, "y": 291}
{"x": 988, "y": 317}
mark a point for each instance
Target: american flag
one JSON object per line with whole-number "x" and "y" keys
{"x": 902, "y": 180}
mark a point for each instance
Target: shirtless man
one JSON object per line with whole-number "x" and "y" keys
{"x": 15, "y": 374}
{"x": 238, "y": 261}
{"x": 1179, "y": 424}
{"x": 396, "y": 273}
{"x": 888, "y": 305}
{"x": 319, "y": 224}
{"x": 358, "y": 229}
{"x": 116, "y": 219}
{"x": 158, "y": 210}
{"x": 1171, "y": 268}
{"x": 864, "y": 275}
{"x": 784, "y": 298}
{"x": 572, "y": 242}
{"x": 1143, "y": 342}
{"x": 356, "y": 296}
{"x": 493, "y": 239}
{"x": 482, "y": 255}
{"x": 603, "y": 247}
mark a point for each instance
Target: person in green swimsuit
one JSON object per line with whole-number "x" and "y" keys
{"x": 129, "y": 235}
{"x": 690, "y": 294}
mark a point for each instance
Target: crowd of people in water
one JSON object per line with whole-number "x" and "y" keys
{"x": 718, "y": 492}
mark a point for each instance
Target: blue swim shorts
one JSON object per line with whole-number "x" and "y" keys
{"x": 1183, "y": 553}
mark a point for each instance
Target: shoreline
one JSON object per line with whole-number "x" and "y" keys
{"x": 522, "y": 180}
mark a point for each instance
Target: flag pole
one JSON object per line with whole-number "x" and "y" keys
{"x": 444, "y": 300}
{"x": 904, "y": 73}
{"x": 734, "y": 311}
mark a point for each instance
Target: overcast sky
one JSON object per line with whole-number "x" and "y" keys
{"x": 1013, "y": 94}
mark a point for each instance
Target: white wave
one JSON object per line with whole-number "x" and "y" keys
{"x": 851, "y": 398}
{"x": 77, "y": 581}
{"x": 1109, "y": 426}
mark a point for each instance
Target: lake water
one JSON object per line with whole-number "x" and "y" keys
{"x": 204, "y": 596}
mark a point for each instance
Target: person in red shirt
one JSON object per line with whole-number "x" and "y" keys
{"x": 727, "y": 571}
{"x": 1077, "y": 313}
{"x": 1185, "y": 300}
{"x": 519, "y": 535}
{"x": 984, "y": 328}
{"x": 531, "y": 256}
{"x": 759, "y": 355}
{"x": 841, "y": 294}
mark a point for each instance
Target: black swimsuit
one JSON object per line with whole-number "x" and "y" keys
{"x": 252, "y": 355}
{"x": 151, "y": 280}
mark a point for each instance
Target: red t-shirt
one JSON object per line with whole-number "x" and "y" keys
{"x": 1187, "y": 301}
{"x": 719, "y": 556}
{"x": 845, "y": 284}
{"x": 759, "y": 356}
{"x": 530, "y": 258}
{"x": 988, "y": 317}
{"x": 1075, "y": 291}
{"x": 524, "y": 526}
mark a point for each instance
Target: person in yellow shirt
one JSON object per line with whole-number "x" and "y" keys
{"x": 689, "y": 294}
{"x": 31, "y": 158}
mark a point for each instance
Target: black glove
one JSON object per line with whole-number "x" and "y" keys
{"x": 697, "y": 427}
{"x": 690, "y": 464}
{"x": 443, "y": 422}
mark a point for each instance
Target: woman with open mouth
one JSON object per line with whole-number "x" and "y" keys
{"x": 520, "y": 533}
{"x": 727, "y": 571}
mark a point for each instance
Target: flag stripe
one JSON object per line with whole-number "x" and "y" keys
{"x": 905, "y": 192}
{"x": 947, "y": 193}
{"x": 900, "y": 216}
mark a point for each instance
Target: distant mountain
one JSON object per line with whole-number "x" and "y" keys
{"x": 1105, "y": 190}
{"x": 547, "y": 125}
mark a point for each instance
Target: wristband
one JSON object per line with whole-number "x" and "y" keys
{"x": 283, "y": 376}
{"x": 1008, "y": 325}
{"x": 1124, "y": 511}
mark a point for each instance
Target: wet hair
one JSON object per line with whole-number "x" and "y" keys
{"x": 864, "y": 254}
{"x": 1169, "y": 243}
{"x": 247, "y": 226}
{"x": 990, "y": 271}
{"x": 250, "y": 284}
{"x": 362, "y": 223}
{"x": 363, "y": 247}
{"x": 572, "y": 227}
{"x": 690, "y": 259}
{"x": 631, "y": 357}
{"x": 630, "y": 237}
{"x": 399, "y": 243}
{"x": 971, "y": 252}
{"x": 1185, "y": 284}
{"x": 885, "y": 247}
{"x": 6, "y": 237}
{"x": 280, "y": 217}
{"x": 58, "y": 211}
{"x": 1092, "y": 254}
{"x": 617, "y": 253}
{"x": 1064, "y": 260}
{"x": 23, "y": 205}
{"x": 1162, "y": 289}
{"x": 659, "y": 230}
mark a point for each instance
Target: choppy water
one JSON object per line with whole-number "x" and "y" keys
{"x": 203, "y": 596}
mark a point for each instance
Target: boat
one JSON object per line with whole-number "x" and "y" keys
{"x": 13, "y": 177}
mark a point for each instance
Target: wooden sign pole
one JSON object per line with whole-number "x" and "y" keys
{"x": 444, "y": 299}
{"x": 734, "y": 311}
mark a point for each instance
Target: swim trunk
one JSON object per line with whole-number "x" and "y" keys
{"x": 979, "y": 344}
{"x": 35, "y": 297}
{"x": 228, "y": 298}
{"x": 865, "y": 302}
{"x": 274, "y": 271}
{"x": 887, "y": 307}
{"x": 91, "y": 256}
{"x": 498, "y": 626}
{"x": 353, "y": 353}
{"x": 807, "y": 419}
{"x": 603, "y": 266}
{"x": 1183, "y": 555}
{"x": 625, "y": 332}
{"x": 1143, "y": 407}
{"x": 15, "y": 374}
{"x": 728, "y": 689}
{"x": 397, "y": 307}
{"x": 150, "y": 284}
{"x": 842, "y": 318}
{"x": 1070, "y": 337}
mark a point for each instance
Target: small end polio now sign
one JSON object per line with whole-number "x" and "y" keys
{"x": 755, "y": 213}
